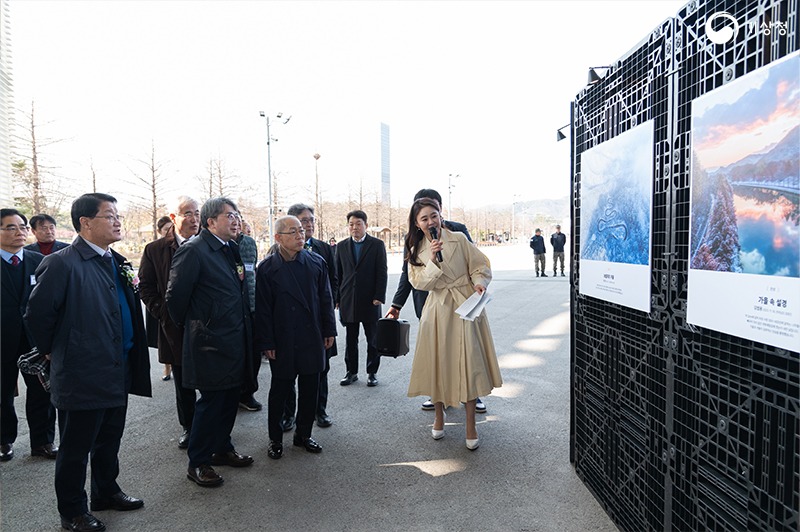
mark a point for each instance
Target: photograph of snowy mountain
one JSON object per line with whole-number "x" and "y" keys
{"x": 746, "y": 175}
{"x": 744, "y": 226}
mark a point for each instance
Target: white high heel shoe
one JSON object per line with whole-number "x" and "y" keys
{"x": 439, "y": 434}
{"x": 473, "y": 444}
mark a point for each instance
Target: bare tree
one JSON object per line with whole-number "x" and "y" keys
{"x": 32, "y": 179}
{"x": 154, "y": 182}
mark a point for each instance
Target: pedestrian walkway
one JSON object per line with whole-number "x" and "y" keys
{"x": 380, "y": 468}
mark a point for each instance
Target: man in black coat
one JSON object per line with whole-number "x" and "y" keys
{"x": 558, "y": 240}
{"x": 44, "y": 230}
{"x": 404, "y": 287}
{"x": 305, "y": 213}
{"x": 207, "y": 296}
{"x": 295, "y": 325}
{"x": 18, "y": 268}
{"x": 85, "y": 313}
{"x": 154, "y": 271}
{"x": 361, "y": 264}
{"x": 539, "y": 252}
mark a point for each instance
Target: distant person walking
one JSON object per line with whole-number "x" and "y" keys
{"x": 539, "y": 252}
{"x": 557, "y": 240}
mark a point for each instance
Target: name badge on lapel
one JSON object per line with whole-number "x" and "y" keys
{"x": 33, "y": 280}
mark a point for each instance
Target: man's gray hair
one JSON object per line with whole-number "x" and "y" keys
{"x": 283, "y": 222}
{"x": 298, "y": 208}
{"x": 175, "y": 204}
{"x": 213, "y": 208}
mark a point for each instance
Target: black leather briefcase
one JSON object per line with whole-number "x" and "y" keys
{"x": 391, "y": 337}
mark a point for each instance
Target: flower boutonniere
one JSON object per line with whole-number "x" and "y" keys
{"x": 130, "y": 276}
{"x": 240, "y": 271}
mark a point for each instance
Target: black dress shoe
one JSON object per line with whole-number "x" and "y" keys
{"x": 250, "y": 404}
{"x": 275, "y": 450}
{"x": 287, "y": 423}
{"x": 119, "y": 501}
{"x": 204, "y": 476}
{"x": 83, "y": 523}
{"x": 324, "y": 420}
{"x": 372, "y": 380}
{"x": 349, "y": 379}
{"x": 6, "y": 452}
{"x": 48, "y": 450}
{"x": 183, "y": 441}
{"x": 309, "y": 443}
{"x": 231, "y": 458}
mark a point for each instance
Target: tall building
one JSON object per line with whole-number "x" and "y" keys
{"x": 6, "y": 106}
{"x": 385, "y": 178}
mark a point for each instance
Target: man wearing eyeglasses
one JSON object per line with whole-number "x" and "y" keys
{"x": 153, "y": 278}
{"x": 361, "y": 263}
{"x": 85, "y": 313}
{"x": 295, "y": 325}
{"x": 207, "y": 295}
{"x": 305, "y": 213}
{"x": 43, "y": 227}
{"x": 18, "y": 267}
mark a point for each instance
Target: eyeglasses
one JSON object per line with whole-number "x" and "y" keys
{"x": 310, "y": 220}
{"x": 190, "y": 214}
{"x": 293, "y": 232}
{"x": 15, "y": 228}
{"x": 230, "y": 215}
{"x": 111, "y": 217}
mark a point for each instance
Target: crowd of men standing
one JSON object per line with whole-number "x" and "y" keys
{"x": 218, "y": 313}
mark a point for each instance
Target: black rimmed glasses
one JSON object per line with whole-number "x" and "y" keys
{"x": 293, "y": 232}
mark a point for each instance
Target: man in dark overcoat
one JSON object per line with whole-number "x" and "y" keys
{"x": 85, "y": 313}
{"x": 207, "y": 295}
{"x": 361, "y": 263}
{"x": 305, "y": 213}
{"x": 295, "y": 324}
{"x": 18, "y": 267}
{"x": 153, "y": 278}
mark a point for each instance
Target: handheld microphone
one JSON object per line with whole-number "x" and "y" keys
{"x": 435, "y": 236}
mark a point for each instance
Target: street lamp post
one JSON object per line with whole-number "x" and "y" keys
{"x": 450, "y": 185}
{"x": 271, "y": 220}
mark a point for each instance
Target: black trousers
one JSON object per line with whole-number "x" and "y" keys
{"x": 307, "y": 387}
{"x": 214, "y": 416}
{"x": 185, "y": 398}
{"x": 351, "y": 349}
{"x": 322, "y": 395}
{"x": 40, "y": 412}
{"x": 87, "y": 432}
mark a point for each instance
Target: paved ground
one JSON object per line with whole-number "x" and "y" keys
{"x": 380, "y": 468}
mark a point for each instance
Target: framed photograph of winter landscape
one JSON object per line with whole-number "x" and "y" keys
{"x": 616, "y": 218}
{"x": 744, "y": 238}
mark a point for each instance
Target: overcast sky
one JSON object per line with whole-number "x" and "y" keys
{"x": 476, "y": 89}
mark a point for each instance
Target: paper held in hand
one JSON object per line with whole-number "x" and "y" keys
{"x": 473, "y": 306}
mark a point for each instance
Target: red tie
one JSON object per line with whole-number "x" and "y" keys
{"x": 14, "y": 260}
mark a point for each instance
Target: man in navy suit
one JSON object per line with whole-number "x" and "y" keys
{"x": 44, "y": 229}
{"x": 19, "y": 266}
{"x": 295, "y": 325}
{"x": 305, "y": 213}
{"x": 85, "y": 313}
{"x": 361, "y": 263}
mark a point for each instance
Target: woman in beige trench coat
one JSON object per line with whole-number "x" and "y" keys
{"x": 455, "y": 361}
